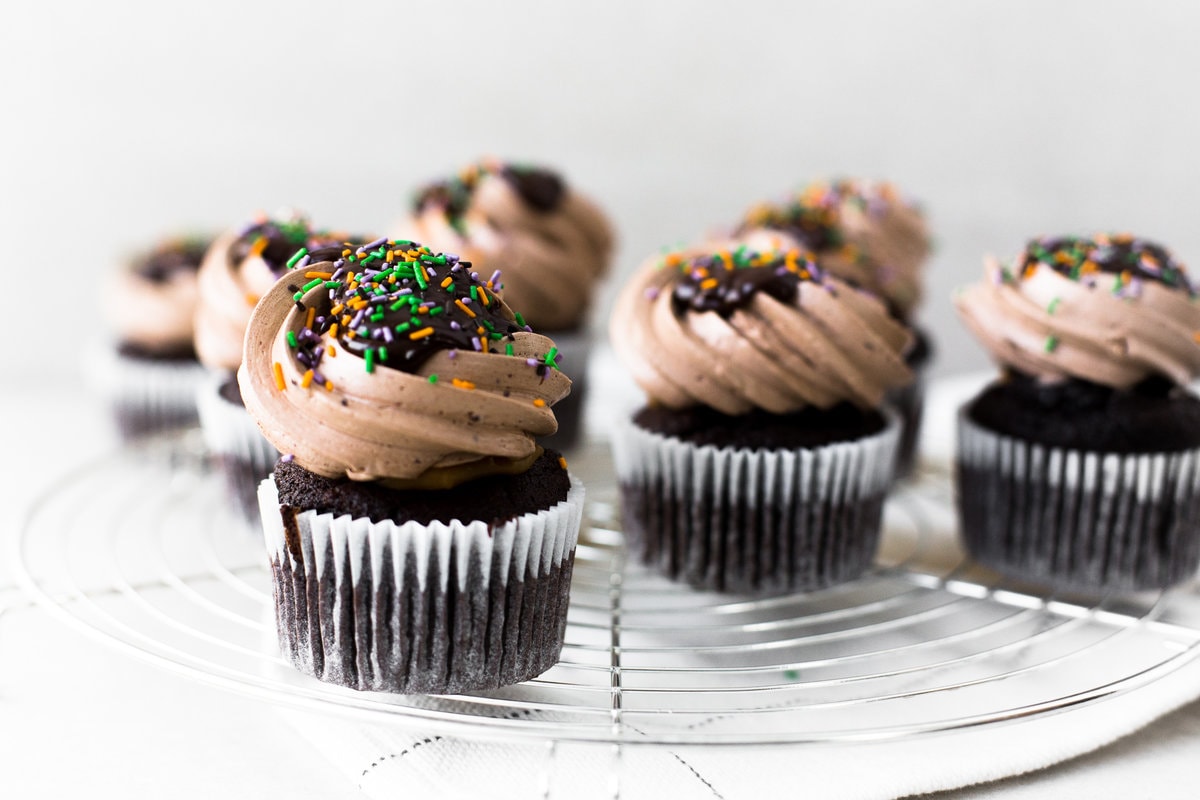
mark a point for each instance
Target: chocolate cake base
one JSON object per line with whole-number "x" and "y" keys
{"x": 402, "y": 591}
{"x": 1073, "y": 518}
{"x": 800, "y": 515}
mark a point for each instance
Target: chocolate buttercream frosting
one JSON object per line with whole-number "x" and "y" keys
{"x": 552, "y": 243}
{"x": 151, "y": 302}
{"x": 389, "y": 361}
{"x": 1110, "y": 309}
{"x": 862, "y": 232}
{"x": 737, "y": 330}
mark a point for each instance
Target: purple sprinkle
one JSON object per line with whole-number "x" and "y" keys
{"x": 456, "y": 268}
{"x": 339, "y": 272}
{"x": 454, "y": 326}
{"x": 452, "y": 354}
{"x": 287, "y": 459}
{"x": 432, "y": 272}
{"x": 528, "y": 329}
{"x": 476, "y": 343}
{"x": 466, "y": 300}
{"x": 358, "y": 318}
{"x": 475, "y": 276}
{"x": 374, "y": 244}
{"x": 404, "y": 291}
{"x": 532, "y": 362}
{"x": 495, "y": 279}
{"x": 302, "y": 263}
{"x": 651, "y": 292}
{"x": 318, "y": 378}
{"x": 387, "y": 334}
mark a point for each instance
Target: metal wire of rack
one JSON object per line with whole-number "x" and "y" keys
{"x": 142, "y": 550}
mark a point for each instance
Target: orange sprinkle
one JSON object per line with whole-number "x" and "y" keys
{"x": 251, "y": 299}
{"x": 421, "y": 334}
{"x": 461, "y": 305}
{"x": 483, "y": 298}
{"x": 329, "y": 386}
{"x": 306, "y": 381}
{"x": 539, "y": 402}
{"x": 336, "y": 309}
{"x": 483, "y": 344}
{"x": 447, "y": 281}
{"x": 461, "y": 384}
{"x": 709, "y": 283}
{"x": 308, "y": 320}
{"x": 259, "y": 245}
{"x": 331, "y": 351}
{"x": 280, "y": 383}
{"x": 1126, "y": 276}
{"x": 324, "y": 275}
{"x": 390, "y": 255}
{"x": 1196, "y": 337}
{"x": 423, "y": 310}
{"x": 562, "y": 462}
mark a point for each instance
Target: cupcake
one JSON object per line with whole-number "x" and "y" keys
{"x": 866, "y": 234}
{"x": 239, "y": 267}
{"x": 761, "y": 461}
{"x": 1080, "y": 467}
{"x": 551, "y": 244}
{"x": 148, "y": 371}
{"x": 420, "y": 539}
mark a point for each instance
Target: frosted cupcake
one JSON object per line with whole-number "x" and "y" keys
{"x": 420, "y": 539}
{"x": 239, "y": 267}
{"x": 866, "y": 234}
{"x": 552, "y": 244}
{"x": 763, "y": 456}
{"x": 149, "y": 372}
{"x": 1080, "y": 466}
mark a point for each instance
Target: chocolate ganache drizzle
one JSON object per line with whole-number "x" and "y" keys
{"x": 726, "y": 281}
{"x": 1130, "y": 259}
{"x": 171, "y": 258}
{"x": 540, "y": 189}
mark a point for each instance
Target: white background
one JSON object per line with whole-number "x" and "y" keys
{"x": 124, "y": 120}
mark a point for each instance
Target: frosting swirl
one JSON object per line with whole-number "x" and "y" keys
{"x": 860, "y": 231}
{"x": 388, "y": 361}
{"x": 239, "y": 267}
{"x": 150, "y": 304}
{"x": 737, "y": 330}
{"x": 551, "y": 243}
{"x": 1109, "y": 309}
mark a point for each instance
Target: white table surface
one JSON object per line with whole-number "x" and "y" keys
{"x": 76, "y": 715}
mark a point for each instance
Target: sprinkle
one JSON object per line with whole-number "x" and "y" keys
{"x": 291, "y": 339}
{"x": 1053, "y": 305}
{"x": 1051, "y": 343}
{"x": 308, "y": 320}
{"x": 551, "y": 356}
{"x": 303, "y": 251}
{"x": 289, "y": 458}
{"x": 531, "y": 362}
{"x": 369, "y": 356}
{"x": 452, "y": 354}
{"x": 447, "y": 281}
{"x": 322, "y": 275}
{"x": 468, "y": 311}
{"x": 306, "y": 381}
{"x": 539, "y": 402}
{"x": 433, "y": 378}
{"x": 421, "y": 334}
{"x": 562, "y": 462}
{"x": 280, "y": 383}
{"x": 461, "y": 384}
{"x": 251, "y": 299}
{"x": 508, "y": 349}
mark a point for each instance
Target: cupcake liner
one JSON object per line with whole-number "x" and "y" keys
{"x": 235, "y": 442}
{"x": 575, "y": 349}
{"x": 438, "y": 608}
{"x": 146, "y": 395}
{"x": 754, "y": 521}
{"x": 1081, "y": 520}
{"x": 909, "y": 403}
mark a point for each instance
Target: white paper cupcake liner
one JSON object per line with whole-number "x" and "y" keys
{"x": 754, "y": 521}
{"x": 438, "y": 608}
{"x": 146, "y": 395}
{"x": 1081, "y": 520}
{"x": 229, "y": 431}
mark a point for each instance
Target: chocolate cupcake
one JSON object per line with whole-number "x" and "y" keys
{"x": 148, "y": 372}
{"x": 239, "y": 267}
{"x": 420, "y": 539}
{"x": 551, "y": 244}
{"x": 761, "y": 462}
{"x": 1080, "y": 467}
{"x": 866, "y": 234}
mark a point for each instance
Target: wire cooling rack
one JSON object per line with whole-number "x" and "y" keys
{"x": 144, "y": 550}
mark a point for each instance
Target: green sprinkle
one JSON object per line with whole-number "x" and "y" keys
{"x": 396, "y": 305}
{"x": 291, "y": 337}
{"x": 332, "y": 284}
{"x": 314, "y": 283}
{"x": 402, "y": 327}
{"x": 369, "y": 356}
{"x": 436, "y": 310}
{"x": 383, "y": 354}
{"x": 519, "y": 318}
{"x": 419, "y": 274}
{"x": 1053, "y": 305}
{"x": 1051, "y": 343}
{"x": 433, "y": 378}
{"x": 551, "y": 355}
{"x": 508, "y": 349}
{"x": 377, "y": 316}
{"x": 301, "y": 253}
{"x": 475, "y": 293}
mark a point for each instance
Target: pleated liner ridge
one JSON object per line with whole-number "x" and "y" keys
{"x": 754, "y": 521}
{"x": 438, "y": 608}
{"x": 1099, "y": 521}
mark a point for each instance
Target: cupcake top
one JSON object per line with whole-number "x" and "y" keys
{"x": 387, "y": 361}
{"x": 239, "y": 267}
{"x": 738, "y": 329}
{"x": 552, "y": 243}
{"x": 862, "y": 232}
{"x": 151, "y": 302}
{"x": 1109, "y": 309}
